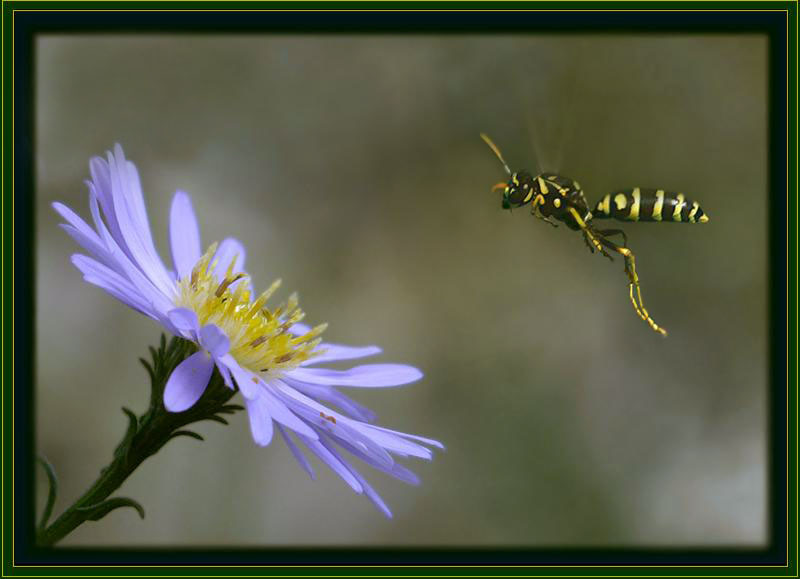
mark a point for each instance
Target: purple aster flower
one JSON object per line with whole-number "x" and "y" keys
{"x": 267, "y": 353}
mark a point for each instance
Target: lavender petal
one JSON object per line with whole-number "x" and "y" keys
{"x": 97, "y": 250}
{"x": 334, "y": 463}
{"x": 161, "y": 303}
{"x": 227, "y": 250}
{"x": 282, "y": 414}
{"x": 109, "y": 280}
{"x": 368, "y": 490}
{"x": 184, "y": 235}
{"x": 397, "y": 470}
{"x": 336, "y": 353}
{"x": 225, "y": 373}
{"x": 299, "y": 329}
{"x": 297, "y": 453}
{"x": 213, "y": 339}
{"x": 133, "y": 224}
{"x": 247, "y": 382}
{"x": 422, "y": 439}
{"x": 260, "y": 421}
{"x": 188, "y": 382}
{"x": 333, "y": 396}
{"x": 186, "y": 321}
{"x": 367, "y": 376}
{"x": 332, "y": 423}
{"x": 79, "y": 224}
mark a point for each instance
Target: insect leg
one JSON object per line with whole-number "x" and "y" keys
{"x": 630, "y": 270}
{"x": 589, "y": 235}
{"x": 586, "y": 238}
{"x": 535, "y": 211}
{"x": 546, "y": 219}
{"x": 610, "y": 232}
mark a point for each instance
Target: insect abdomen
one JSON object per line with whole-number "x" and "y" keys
{"x": 649, "y": 205}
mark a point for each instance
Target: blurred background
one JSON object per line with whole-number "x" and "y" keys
{"x": 351, "y": 167}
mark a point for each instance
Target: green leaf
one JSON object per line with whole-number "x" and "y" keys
{"x": 188, "y": 433}
{"x": 98, "y": 511}
{"x": 133, "y": 428}
{"x": 149, "y": 369}
{"x": 51, "y": 493}
{"x": 215, "y": 418}
{"x": 133, "y": 425}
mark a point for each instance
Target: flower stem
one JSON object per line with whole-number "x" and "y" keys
{"x": 146, "y": 435}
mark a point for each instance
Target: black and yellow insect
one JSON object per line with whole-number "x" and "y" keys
{"x": 557, "y": 198}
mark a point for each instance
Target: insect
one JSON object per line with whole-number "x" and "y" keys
{"x": 555, "y": 197}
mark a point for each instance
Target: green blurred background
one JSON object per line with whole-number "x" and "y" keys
{"x": 351, "y": 167}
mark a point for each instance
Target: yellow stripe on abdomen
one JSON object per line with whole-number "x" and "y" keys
{"x": 693, "y": 212}
{"x": 635, "y": 205}
{"x": 658, "y": 205}
{"x": 681, "y": 201}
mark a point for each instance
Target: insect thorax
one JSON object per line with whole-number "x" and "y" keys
{"x": 554, "y": 195}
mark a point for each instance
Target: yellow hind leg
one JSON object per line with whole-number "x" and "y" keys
{"x": 638, "y": 303}
{"x": 599, "y": 240}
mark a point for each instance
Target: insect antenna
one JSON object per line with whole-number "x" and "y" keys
{"x": 496, "y": 151}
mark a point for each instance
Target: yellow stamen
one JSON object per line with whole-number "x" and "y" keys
{"x": 228, "y": 281}
{"x": 259, "y": 337}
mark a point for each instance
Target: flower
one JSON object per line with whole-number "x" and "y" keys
{"x": 266, "y": 352}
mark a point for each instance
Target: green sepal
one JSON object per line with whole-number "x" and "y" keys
{"x": 52, "y": 491}
{"x": 98, "y": 511}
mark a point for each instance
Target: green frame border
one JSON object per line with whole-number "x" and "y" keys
{"x": 7, "y": 406}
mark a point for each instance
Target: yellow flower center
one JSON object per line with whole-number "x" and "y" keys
{"x": 259, "y": 337}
